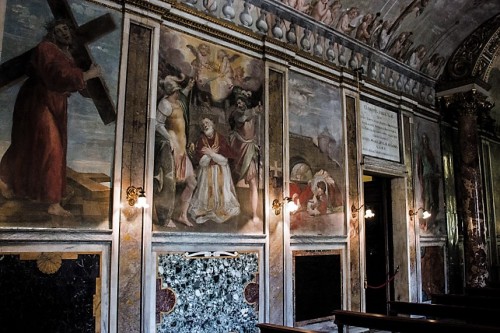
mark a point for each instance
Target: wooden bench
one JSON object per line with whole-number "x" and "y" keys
{"x": 466, "y": 300}
{"x": 404, "y": 324}
{"x": 272, "y": 328}
{"x": 487, "y": 291}
{"x": 469, "y": 315}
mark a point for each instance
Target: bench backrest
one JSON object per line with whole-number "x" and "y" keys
{"x": 404, "y": 324}
{"x": 272, "y": 328}
{"x": 440, "y": 311}
{"x": 466, "y": 300}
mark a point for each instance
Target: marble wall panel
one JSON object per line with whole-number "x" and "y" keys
{"x": 207, "y": 292}
{"x": 432, "y": 261}
{"x": 50, "y": 292}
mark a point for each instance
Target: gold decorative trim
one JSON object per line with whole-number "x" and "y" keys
{"x": 148, "y": 6}
{"x": 199, "y": 27}
{"x": 49, "y": 263}
{"x": 97, "y": 304}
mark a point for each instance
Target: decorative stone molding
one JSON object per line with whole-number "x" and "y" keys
{"x": 473, "y": 56}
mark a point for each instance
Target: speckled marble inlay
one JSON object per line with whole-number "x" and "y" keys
{"x": 212, "y": 294}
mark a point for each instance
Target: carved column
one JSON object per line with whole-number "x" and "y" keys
{"x": 469, "y": 106}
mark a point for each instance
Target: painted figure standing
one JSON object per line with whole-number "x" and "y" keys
{"x": 34, "y": 165}
{"x": 172, "y": 124}
{"x": 243, "y": 121}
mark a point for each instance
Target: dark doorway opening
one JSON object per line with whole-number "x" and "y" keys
{"x": 378, "y": 249}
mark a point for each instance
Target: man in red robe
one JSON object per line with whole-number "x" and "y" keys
{"x": 34, "y": 165}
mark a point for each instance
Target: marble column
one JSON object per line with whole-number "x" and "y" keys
{"x": 276, "y": 226}
{"x": 130, "y": 277}
{"x": 355, "y": 287}
{"x": 470, "y": 105}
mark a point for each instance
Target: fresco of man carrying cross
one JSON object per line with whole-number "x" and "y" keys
{"x": 34, "y": 165}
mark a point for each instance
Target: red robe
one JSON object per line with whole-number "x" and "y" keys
{"x": 34, "y": 166}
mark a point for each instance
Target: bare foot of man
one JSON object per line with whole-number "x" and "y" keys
{"x": 183, "y": 219}
{"x": 56, "y": 209}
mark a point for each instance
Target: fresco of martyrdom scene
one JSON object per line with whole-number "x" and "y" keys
{"x": 316, "y": 157}
{"x": 58, "y": 86}
{"x": 428, "y": 180}
{"x": 208, "y": 165}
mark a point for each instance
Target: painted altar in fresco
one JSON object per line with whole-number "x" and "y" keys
{"x": 213, "y": 292}
{"x": 428, "y": 178}
{"x": 316, "y": 157}
{"x": 209, "y": 139}
{"x": 80, "y": 139}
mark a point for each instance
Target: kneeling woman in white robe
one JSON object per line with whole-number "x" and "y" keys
{"x": 214, "y": 198}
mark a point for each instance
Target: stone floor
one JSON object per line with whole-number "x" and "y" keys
{"x": 328, "y": 327}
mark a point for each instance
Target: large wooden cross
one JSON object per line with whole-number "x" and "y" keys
{"x": 14, "y": 69}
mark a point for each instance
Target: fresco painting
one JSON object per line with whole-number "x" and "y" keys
{"x": 58, "y": 124}
{"x": 396, "y": 28}
{"x": 316, "y": 157}
{"x": 428, "y": 178}
{"x": 208, "y": 165}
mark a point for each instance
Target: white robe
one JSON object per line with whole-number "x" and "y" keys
{"x": 214, "y": 198}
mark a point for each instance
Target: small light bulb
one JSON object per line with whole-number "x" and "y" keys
{"x": 369, "y": 214}
{"x": 292, "y": 206}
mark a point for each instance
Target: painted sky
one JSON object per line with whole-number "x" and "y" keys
{"x": 314, "y": 108}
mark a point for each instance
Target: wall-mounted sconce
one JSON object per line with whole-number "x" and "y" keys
{"x": 425, "y": 214}
{"x": 278, "y": 205}
{"x": 136, "y": 197}
{"x": 368, "y": 212}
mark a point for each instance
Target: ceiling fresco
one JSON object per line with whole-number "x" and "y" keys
{"x": 421, "y": 33}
